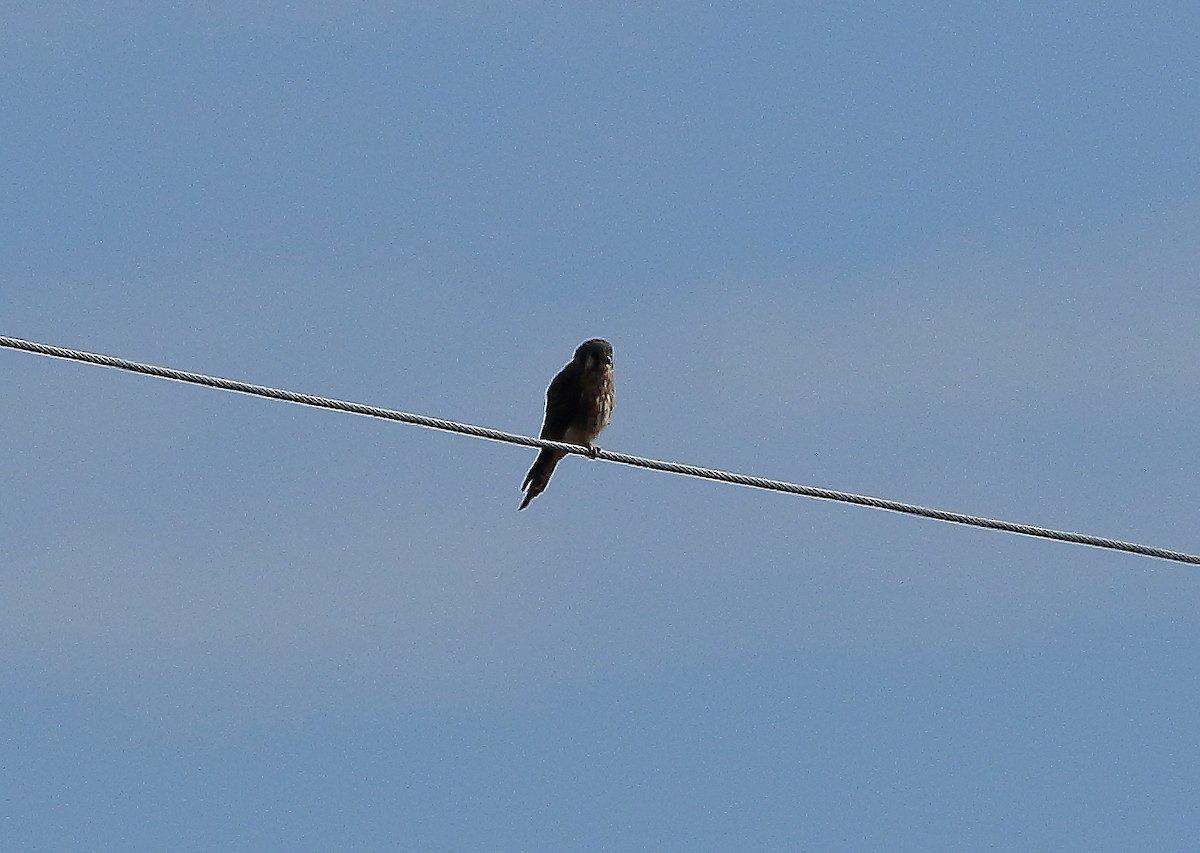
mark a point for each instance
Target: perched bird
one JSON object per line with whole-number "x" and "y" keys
{"x": 579, "y": 405}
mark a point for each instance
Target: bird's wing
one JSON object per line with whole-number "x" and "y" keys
{"x": 562, "y": 403}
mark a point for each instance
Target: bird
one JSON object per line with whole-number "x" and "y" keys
{"x": 579, "y": 405}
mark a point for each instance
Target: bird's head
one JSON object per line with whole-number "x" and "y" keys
{"x": 594, "y": 354}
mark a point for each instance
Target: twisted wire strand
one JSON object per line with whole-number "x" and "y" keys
{"x": 622, "y": 458}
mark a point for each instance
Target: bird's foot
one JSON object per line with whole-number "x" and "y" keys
{"x": 593, "y": 451}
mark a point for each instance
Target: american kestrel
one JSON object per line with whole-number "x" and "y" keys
{"x": 579, "y": 404}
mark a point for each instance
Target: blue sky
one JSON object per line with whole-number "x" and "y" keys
{"x": 938, "y": 252}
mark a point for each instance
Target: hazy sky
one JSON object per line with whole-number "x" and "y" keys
{"x": 938, "y": 252}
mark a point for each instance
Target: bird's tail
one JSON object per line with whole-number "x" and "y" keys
{"x": 539, "y": 475}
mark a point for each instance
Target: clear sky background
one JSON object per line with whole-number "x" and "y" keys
{"x": 940, "y": 252}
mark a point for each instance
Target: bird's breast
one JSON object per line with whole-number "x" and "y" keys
{"x": 595, "y": 411}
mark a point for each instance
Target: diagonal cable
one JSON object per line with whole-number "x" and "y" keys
{"x": 624, "y": 459}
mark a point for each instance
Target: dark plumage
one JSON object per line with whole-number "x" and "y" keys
{"x": 579, "y": 405}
